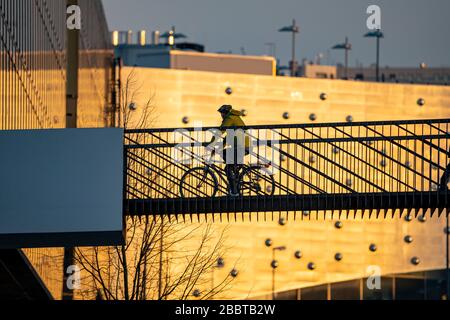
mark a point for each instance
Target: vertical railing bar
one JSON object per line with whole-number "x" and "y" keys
{"x": 295, "y": 173}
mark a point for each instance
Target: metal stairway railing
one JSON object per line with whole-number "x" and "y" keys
{"x": 372, "y": 167}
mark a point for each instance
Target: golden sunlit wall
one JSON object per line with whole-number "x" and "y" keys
{"x": 190, "y": 98}
{"x": 33, "y": 82}
{"x": 95, "y": 59}
{"x": 32, "y": 64}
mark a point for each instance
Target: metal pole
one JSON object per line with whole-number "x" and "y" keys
{"x": 378, "y": 58}
{"x": 161, "y": 247}
{"x": 273, "y": 275}
{"x": 114, "y": 93}
{"x": 72, "y": 52}
{"x": 346, "y": 63}
{"x": 447, "y": 255}
{"x": 346, "y": 58}
{"x": 293, "y": 49}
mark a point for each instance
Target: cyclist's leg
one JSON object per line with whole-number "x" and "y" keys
{"x": 229, "y": 170}
{"x": 232, "y": 170}
{"x": 444, "y": 178}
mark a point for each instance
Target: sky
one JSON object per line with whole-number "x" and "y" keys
{"x": 415, "y": 31}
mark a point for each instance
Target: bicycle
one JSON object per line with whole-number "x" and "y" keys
{"x": 202, "y": 181}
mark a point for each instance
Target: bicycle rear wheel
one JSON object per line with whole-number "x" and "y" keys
{"x": 198, "y": 182}
{"x": 255, "y": 180}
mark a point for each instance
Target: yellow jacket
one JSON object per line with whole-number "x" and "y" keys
{"x": 233, "y": 119}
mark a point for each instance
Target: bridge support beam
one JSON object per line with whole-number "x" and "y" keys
{"x": 316, "y": 202}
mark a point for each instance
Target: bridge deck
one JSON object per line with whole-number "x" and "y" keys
{"x": 371, "y": 202}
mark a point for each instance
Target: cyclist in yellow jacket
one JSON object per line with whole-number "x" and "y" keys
{"x": 234, "y": 147}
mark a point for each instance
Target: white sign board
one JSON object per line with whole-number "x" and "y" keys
{"x": 61, "y": 188}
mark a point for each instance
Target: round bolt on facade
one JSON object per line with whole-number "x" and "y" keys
{"x": 185, "y": 120}
{"x": 338, "y": 225}
{"x": 420, "y": 102}
{"x": 349, "y": 118}
{"x": 323, "y": 96}
{"x": 422, "y": 218}
{"x": 274, "y": 264}
{"x": 268, "y": 242}
{"x": 286, "y": 115}
{"x": 196, "y": 293}
{"x": 408, "y": 239}
{"x": 373, "y": 247}
{"x": 298, "y": 254}
{"x": 229, "y": 91}
{"x": 132, "y": 106}
{"x": 311, "y": 266}
{"x": 282, "y": 221}
{"x": 415, "y": 261}
{"x": 234, "y": 273}
{"x": 313, "y": 117}
{"x": 338, "y": 256}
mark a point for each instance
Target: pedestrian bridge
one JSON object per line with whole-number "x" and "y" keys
{"x": 368, "y": 168}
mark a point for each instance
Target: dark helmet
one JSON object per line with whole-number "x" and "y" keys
{"x": 225, "y": 108}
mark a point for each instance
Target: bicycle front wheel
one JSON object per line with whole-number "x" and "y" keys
{"x": 198, "y": 182}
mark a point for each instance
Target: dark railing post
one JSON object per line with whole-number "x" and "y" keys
{"x": 447, "y": 262}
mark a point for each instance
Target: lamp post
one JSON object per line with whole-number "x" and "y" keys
{"x": 274, "y": 265}
{"x": 293, "y": 29}
{"x": 347, "y": 47}
{"x": 376, "y": 34}
{"x": 171, "y": 36}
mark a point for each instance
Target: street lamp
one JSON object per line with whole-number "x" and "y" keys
{"x": 171, "y": 36}
{"x": 347, "y": 47}
{"x": 274, "y": 265}
{"x": 376, "y": 34}
{"x": 293, "y": 29}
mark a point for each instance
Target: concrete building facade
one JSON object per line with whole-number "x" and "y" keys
{"x": 163, "y": 56}
{"x": 419, "y": 75}
{"x": 195, "y": 96}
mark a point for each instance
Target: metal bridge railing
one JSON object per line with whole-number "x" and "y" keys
{"x": 368, "y": 166}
